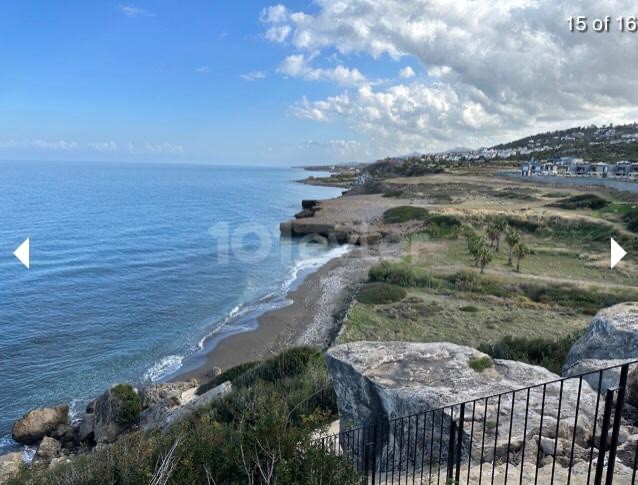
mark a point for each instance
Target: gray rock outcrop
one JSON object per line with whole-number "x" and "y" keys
{"x": 9, "y": 466}
{"x": 38, "y": 423}
{"x": 101, "y": 422}
{"x": 378, "y": 381}
{"x": 611, "y": 339}
{"x": 612, "y": 334}
{"x": 48, "y": 450}
{"x": 167, "y": 394}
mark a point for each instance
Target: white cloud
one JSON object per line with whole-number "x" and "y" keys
{"x": 163, "y": 148}
{"x": 103, "y": 146}
{"x": 133, "y": 11}
{"x": 253, "y": 76}
{"x": 202, "y": 69}
{"x": 497, "y": 68}
{"x": 55, "y": 145}
{"x": 298, "y": 66}
{"x": 407, "y": 72}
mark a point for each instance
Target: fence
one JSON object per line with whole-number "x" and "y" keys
{"x": 552, "y": 432}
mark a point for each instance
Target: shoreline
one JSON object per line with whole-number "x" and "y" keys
{"x": 313, "y": 317}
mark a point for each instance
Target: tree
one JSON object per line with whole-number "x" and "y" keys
{"x": 520, "y": 251}
{"x": 512, "y": 238}
{"x": 494, "y": 231}
{"x": 476, "y": 244}
{"x": 484, "y": 257}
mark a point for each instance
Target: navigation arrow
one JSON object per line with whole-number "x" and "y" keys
{"x": 22, "y": 253}
{"x": 617, "y": 253}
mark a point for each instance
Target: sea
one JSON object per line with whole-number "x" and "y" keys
{"x": 134, "y": 267}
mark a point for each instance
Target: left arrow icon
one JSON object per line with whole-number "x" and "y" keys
{"x": 22, "y": 253}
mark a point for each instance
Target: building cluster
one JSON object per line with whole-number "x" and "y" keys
{"x": 576, "y": 167}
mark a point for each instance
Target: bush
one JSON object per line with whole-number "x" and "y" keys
{"x": 380, "y": 294}
{"x": 229, "y": 375}
{"x": 631, "y": 218}
{"x": 405, "y": 213}
{"x": 256, "y": 427}
{"x": 130, "y": 405}
{"x": 479, "y": 364}
{"x": 550, "y": 354}
{"x": 582, "y": 201}
{"x": 469, "y": 309}
{"x": 402, "y": 275}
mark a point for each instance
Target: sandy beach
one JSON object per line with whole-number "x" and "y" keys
{"x": 317, "y": 304}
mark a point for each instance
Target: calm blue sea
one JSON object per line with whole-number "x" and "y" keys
{"x": 132, "y": 266}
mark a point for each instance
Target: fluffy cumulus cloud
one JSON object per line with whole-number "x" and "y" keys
{"x": 300, "y": 66}
{"x": 496, "y": 68}
{"x": 407, "y": 72}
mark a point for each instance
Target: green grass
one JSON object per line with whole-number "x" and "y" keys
{"x": 479, "y": 364}
{"x": 428, "y": 317}
{"x": 380, "y": 294}
{"x": 401, "y": 274}
{"x": 405, "y": 213}
{"x": 548, "y": 353}
{"x": 470, "y": 309}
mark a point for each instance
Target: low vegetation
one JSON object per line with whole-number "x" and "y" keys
{"x": 549, "y": 353}
{"x": 130, "y": 405}
{"x": 380, "y": 294}
{"x": 581, "y": 201}
{"x": 479, "y": 364}
{"x": 263, "y": 432}
{"x": 405, "y": 213}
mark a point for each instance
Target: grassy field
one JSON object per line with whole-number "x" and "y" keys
{"x": 562, "y": 282}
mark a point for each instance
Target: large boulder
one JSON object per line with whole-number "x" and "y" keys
{"x": 9, "y": 466}
{"x": 111, "y": 414}
{"x": 611, "y": 339}
{"x": 378, "y": 381}
{"x": 48, "y": 450}
{"x": 612, "y": 334}
{"x": 38, "y": 423}
{"x": 167, "y": 394}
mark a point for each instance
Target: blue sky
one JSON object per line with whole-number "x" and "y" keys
{"x": 299, "y": 82}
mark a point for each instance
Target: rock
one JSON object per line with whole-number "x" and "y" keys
{"x": 309, "y": 203}
{"x": 610, "y": 377}
{"x": 10, "y": 466}
{"x": 107, "y": 425}
{"x": 378, "y": 381}
{"x": 87, "y": 428}
{"x": 65, "y": 433}
{"x": 162, "y": 417}
{"x": 305, "y": 213}
{"x": 612, "y": 334}
{"x": 48, "y": 450}
{"x": 168, "y": 394}
{"x": 36, "y": 424}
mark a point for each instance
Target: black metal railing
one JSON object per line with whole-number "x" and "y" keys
{"x": 578, "y": 429}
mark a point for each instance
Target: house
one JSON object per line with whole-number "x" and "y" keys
{"x": 599, "y": 169}
{"x": 530, "y": 168}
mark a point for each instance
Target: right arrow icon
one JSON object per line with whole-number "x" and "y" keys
{"x": 617, "y": 253}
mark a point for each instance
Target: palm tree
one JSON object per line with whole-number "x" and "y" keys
{"x": 484, "y": 257}
{"x": 475, "y": 246}
{"x": 520, "y": 251}
{"x": 512, "y": 238}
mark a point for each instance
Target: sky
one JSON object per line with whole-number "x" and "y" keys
{"x": 248, "y": 82}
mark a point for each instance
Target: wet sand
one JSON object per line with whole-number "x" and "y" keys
{"x": 313, "y": 317}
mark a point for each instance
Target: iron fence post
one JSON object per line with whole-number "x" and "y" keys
{"x": 451, "y": 448}
{"x": 620, "y": 402}
{"x": 459, "y": 444}
{"x": 602, "y": 448}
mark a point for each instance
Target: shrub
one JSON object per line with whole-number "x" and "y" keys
{"x": 393, "y": 193}
{"x": 401, "y": 274}
{"x": 469, "y": 309}
{"x": 380, "y": 294}
{"x": 130, "y": 405}
{"x": 441, "y": 225}
{"x": 631, "y": 218}
{"x": 405, "y": 213}
{"x": 228, "y": 375}
{"x": 582, "y": 201}
{"x": 547, "y": 353}
{"x": 479, "y": 364}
